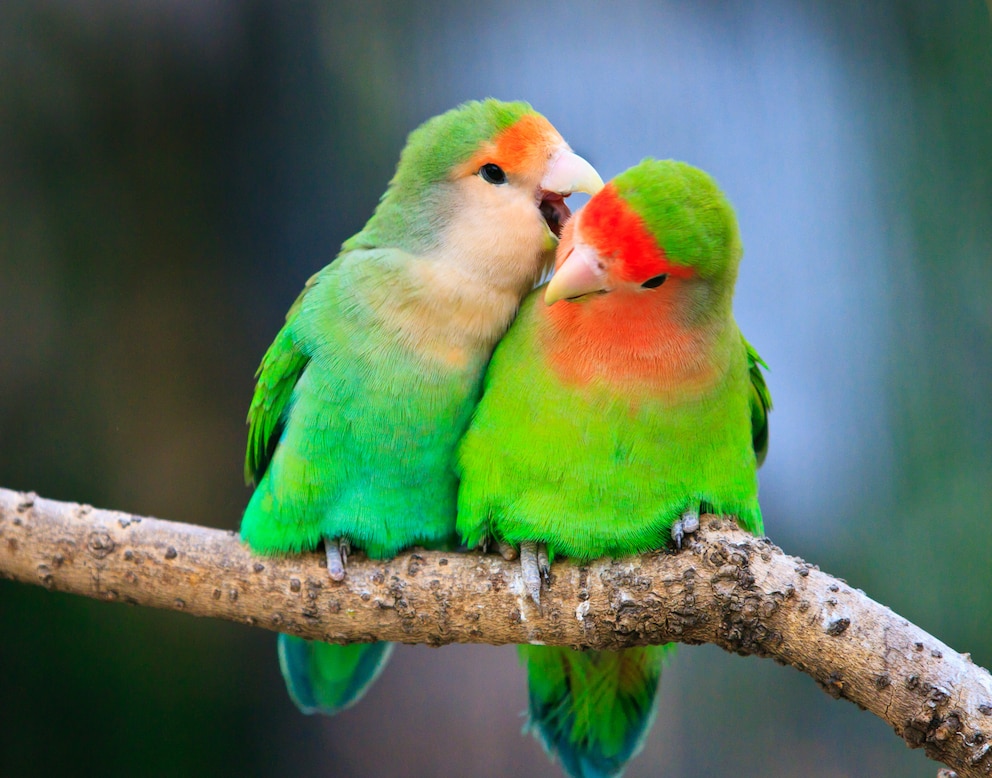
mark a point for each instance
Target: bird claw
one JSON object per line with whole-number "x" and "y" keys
{"x": 543, "y": 563}
{"x": 686, "y": 524}
{"x": 536, "y": 569}
{"x": 337, "y": 550}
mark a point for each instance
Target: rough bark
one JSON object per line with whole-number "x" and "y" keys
{"x": 727, "y": 587}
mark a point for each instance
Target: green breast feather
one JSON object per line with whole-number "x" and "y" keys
{"x": 598, "y": 471}
{"x": 352, "y": 432}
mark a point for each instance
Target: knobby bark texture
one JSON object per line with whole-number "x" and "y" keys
{"x": 726, "y": 587}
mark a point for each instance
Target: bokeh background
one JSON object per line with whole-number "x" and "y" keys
{"x": 170, "y": 175}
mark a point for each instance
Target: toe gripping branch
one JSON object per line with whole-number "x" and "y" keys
{"x": 337, "y": 550}
{"x": 686, "y": 524}
{"x": 536, "y": 568}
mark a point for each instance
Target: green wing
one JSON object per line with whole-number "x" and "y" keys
{"x": 281, "y": 368}
{"x": 761, "y": 402}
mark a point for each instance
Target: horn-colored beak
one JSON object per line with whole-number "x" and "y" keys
{"x": 568, "y": 173}
{"x": 582, "y": 272}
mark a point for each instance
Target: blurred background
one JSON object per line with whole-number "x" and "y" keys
{"x": 171, "y": 174}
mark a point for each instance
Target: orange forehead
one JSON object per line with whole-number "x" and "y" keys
{"x": 525, "y": 145}
{"x": 614, "y": 229}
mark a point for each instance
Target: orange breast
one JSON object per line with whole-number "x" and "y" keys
{"x": 630, "y": 340}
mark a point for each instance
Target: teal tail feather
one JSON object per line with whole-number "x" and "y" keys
{"x": 327, "y": 678}
{"x": 592, "y": 709}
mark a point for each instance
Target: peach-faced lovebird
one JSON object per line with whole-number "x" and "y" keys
{"x": 366, "y": 390}
{"x": 621, "y": 403}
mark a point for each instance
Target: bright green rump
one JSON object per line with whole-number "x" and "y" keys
{"x": 366, "y": 426}
{"x": 603, "y": 470}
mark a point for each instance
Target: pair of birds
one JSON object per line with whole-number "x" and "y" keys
{"x": 621, "y": 402}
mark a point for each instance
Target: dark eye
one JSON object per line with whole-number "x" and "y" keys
{"x": 654, "y": 283}
{"x": 492, "y": 173}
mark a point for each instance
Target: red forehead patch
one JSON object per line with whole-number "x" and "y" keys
{"x": 615, "y": 230}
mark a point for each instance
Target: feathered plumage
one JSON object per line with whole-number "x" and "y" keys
{"x": 366, "y": 390}
{"x": 611, "y": 415}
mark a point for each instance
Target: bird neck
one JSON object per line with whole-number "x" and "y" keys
{"x": 439, "y": 309}
{"x": 639, "y": 341}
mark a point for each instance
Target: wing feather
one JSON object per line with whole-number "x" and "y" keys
{"x": 761, "y": 402}
{"x": 276, "y": 377}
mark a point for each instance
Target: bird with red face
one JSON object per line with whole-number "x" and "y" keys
{"x": 622, "y": 402}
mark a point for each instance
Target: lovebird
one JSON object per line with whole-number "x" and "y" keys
{"x": 361, "y": 399}
{"x": 622, "y": 402}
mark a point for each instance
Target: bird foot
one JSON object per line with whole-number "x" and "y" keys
{"x": 686, "y": 524}
{"x": 504, "y": 549}
{"x": 337, "y": 550}
{"x": 536, "y": 568}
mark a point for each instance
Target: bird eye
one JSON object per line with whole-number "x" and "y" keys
{"x": 654, "y": 283}
{"x": 492, "y": 173}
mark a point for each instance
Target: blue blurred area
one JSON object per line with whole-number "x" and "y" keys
{"x": 170, "y": 175}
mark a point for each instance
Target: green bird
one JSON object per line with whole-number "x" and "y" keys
{"x": 361, "y": 399}
{"x": 615, "y": 410}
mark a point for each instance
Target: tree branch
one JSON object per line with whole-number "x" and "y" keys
{"x": 727, "y": 587}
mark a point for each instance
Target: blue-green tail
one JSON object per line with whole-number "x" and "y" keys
{"x": 592, "y": 709}
{"x": 327, "y": 678}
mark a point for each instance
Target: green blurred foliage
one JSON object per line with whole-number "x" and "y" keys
{"x": 934, "y": 568}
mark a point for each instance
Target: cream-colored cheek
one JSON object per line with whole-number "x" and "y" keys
{"x": 499, "y": 236}
{"x": 492, "y": 252}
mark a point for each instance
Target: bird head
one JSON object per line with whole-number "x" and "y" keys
{"x": 661, "y": 230}
{"x": 487, "y": 182}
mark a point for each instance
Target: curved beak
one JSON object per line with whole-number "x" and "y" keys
{"x": 568, "y": 172}
{"x": 582, "y": 272}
